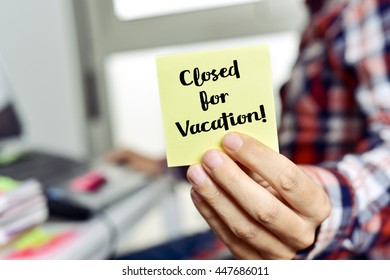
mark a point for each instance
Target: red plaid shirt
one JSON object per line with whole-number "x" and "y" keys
{"x": 336, "y": 123}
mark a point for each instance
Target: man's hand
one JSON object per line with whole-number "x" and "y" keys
{"x": 259, "y": 203}
{"x": 136, "y": 161}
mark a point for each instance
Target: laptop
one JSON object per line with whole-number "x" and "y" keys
{"x": 62, "y": 179}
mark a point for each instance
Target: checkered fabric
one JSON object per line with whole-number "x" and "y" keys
{"x": 336, "y": 123}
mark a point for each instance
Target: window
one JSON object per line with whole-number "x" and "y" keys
{"x": 129, "y": 10}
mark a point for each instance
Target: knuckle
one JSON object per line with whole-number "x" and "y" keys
{"x": 245, "y": 233}
{"x": 230, "y": 178}
{"x": 323, "y": 211}
{"x": 306, "y": 240}
{"x": 212, "y": 196}
{"x": 289, "y": 178}
{"x": 268, "y": 216}
{"x": 206, "y": 214}
{"x": 229, "y": 240}
{"x": 327, "y": 208}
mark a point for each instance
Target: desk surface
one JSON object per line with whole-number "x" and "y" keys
{"x": 97, "y": 238}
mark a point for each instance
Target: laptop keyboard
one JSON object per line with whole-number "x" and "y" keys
{"x": 48, "y": 169}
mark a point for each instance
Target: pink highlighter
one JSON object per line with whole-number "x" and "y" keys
{"x": 89, "y": 182}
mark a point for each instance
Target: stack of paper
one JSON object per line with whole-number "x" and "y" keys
{"x": 22, "y": 206}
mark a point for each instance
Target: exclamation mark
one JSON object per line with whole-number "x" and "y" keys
{"x": 262, "y": 112}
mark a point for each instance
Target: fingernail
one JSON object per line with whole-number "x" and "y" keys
{"x": 212, "y": 159}
{"x": 195, "y": 196}
{"x": 197, "y": 175}
{"x": 232, "y": 141}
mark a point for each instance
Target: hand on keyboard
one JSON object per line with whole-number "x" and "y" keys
{"x": 137, "y": 162}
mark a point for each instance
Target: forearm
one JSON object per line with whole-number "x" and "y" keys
{"x": 358, "y": 189}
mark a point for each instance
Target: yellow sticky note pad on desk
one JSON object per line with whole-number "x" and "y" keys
{"x": 206, "y": 94}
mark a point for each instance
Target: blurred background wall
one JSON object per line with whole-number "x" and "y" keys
{"x": 40, "y": 51}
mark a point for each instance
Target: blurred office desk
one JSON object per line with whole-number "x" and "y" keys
{"x": 99, "y": 237}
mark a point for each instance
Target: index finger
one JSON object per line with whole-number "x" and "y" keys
{"x": 283, "y": 175}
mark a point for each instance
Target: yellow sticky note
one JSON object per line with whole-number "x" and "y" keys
{"x": 206, "y": 94}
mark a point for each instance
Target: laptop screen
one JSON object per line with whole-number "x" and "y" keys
{"x": 9, "y": 123}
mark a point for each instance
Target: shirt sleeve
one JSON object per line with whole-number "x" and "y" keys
{"x": 359, "y": 184}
